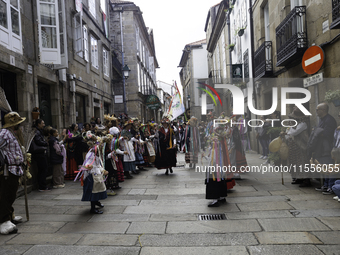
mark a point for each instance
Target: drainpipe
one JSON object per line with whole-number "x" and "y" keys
{"x": 122, "y": 40}
{"x": 252, "y": 59}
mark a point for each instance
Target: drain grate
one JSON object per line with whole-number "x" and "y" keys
{"x": 212, "y": 217}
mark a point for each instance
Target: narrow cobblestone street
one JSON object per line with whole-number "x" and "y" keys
{"x": 158, "y": 214}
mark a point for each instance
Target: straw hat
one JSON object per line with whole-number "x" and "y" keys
{"x": 13, "y": 119}
{"x": 128, "y": 122}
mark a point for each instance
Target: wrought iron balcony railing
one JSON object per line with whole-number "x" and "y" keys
{"x": 335, "y": 14}
{"x": 263, "y": 60}
{"x": 291, "y": 36}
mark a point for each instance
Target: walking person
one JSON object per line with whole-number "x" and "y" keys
{"x": 39, "y": 154}
{"x": 264, "y": 138}
{"x": 320, "y": 143}
{"x": 167, "y": 149}
{"x": 56, "y": 159}
{"x": 11, "y": 141}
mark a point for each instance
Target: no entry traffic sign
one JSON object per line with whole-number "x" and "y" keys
{"x": 313, "y": 59}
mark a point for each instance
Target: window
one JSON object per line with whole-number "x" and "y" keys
{"x": 78, "y": 35}
{"x": 137, "y": 40}
{"x": 92, "y": 7}
{"x": 94, "y": 52}
{"x": 105, "y": 62}
{"x": 49, "y": 41}
{"x": 10, "y": 21}
{"x": 86, "y": 44}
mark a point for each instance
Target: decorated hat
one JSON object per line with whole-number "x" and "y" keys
{"x": 128, "y": 122}
{"x": 13, "y": 119}
{"x": 114, "y": 131}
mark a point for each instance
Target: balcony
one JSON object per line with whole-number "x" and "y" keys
{"x": 335, "y": 15}
{"x": 263, "y": 60}
{"x": 291, "y": 37}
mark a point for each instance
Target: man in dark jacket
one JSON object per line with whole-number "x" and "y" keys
{"x": 40, "y": 156}
{"x": 322, "y": 146}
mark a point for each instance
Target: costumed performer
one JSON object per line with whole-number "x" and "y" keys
{"x": 166, "y": 150}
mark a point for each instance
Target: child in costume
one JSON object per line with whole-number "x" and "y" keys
{"x": 92, "y": 173}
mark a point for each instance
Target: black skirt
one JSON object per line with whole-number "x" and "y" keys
{"x": 215, "y": 189}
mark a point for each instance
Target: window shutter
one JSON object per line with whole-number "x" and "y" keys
{"x": 49, "y": 40}
{"x": 86, "y": 44}
{"x": 78, "y": 34}
{"x": 63, "y": 36}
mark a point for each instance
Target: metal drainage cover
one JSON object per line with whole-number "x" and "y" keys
{"x": 212, "y": 217}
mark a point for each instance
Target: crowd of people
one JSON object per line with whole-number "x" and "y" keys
{"x": 102, "y": 156}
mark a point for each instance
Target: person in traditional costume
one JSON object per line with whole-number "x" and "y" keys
{"x": 126, "y": 144}
{"x": 138, "y": 145}
{"x": 117, "y": 153}
{"x": 74, "y": 151}
{"x": 166, "y": 151}
{"x": 217, "y": 180}
{"x": 92, "y": 174}
{"x": 111, "y": 181}
{"x": 192, "y": 145}
{"x": 149, "y": 146}
{"x": 181, "y": 135}
{"x": 236, "y": 150}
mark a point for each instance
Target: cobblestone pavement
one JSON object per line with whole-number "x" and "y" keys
{"x": 158, "y": 214}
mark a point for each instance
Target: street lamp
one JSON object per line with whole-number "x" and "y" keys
{"x": 126, "y": 71}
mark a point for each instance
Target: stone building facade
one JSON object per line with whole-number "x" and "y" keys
{"x": 194, "y": 70}
{"x": 291, "y": 27}
{"x": 130, "y": 36}
{"x": 55, "y": 55}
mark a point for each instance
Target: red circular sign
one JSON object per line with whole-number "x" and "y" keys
{"x": 313, "y": 59}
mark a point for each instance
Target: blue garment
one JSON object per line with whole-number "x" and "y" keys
{"x": 87, "y": 191}
{"x": 336, "y": 188}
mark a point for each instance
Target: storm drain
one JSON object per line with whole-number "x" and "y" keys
{"x": 212, "y": 217}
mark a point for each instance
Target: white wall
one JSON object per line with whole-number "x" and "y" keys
{"x": 200, "y": 66}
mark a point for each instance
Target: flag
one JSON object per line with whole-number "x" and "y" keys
{"x": 176, "y": 107}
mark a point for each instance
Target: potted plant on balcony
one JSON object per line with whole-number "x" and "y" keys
{"x": 231, "y": 46}
{"x": 333, "y": 96}
{"x": 35, "y": 113}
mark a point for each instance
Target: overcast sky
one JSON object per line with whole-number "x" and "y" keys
{"x": 175, "y": 23}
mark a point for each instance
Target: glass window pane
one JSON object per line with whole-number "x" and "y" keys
{"x": 49, "y": 37}
{"x": 14, "y": 3}
{"x": 3, "y": 14}
{"x": 15, "y": 21}
{"x": 47, "y": 14}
